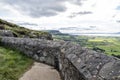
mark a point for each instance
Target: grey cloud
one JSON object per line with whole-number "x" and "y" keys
{"x": 79, "y": 13}
{"x": 118, "y": 21}
{"x": 26, "y": 23}
{"x": 37, "y": 8}
{"x": 93, "y": 27}
{"x": 83, "y": 13}
{"x": 77, "y": 2}
{"x": 80, "y": 28}
{"x": 22, "y": 23}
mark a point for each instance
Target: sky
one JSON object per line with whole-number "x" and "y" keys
{"x": 84, "y": 16}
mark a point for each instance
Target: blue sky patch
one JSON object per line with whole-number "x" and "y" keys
{"x": 118, "y": 8}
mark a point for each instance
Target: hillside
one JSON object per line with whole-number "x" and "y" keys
{"x": 19, "y": 31}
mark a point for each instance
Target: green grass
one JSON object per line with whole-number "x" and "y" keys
{"x": 12, "y": 64}
{"x": 111, "y": 45}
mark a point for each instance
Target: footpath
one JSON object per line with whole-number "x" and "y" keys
{"x": 41, "y": 71}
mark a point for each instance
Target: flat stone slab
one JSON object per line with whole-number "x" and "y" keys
{"x": 41, "y": 71}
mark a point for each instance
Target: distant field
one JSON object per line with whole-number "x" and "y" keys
{"x": 107, "y": 45}
{"x": 12, "y": 64}
{"x": 111, "y": 45}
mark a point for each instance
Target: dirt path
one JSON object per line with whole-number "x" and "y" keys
{"x": 41, "y": 71}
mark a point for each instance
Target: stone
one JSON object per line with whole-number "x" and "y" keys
{"x": 6, "y": 33}
{"x": 2, "y": 27}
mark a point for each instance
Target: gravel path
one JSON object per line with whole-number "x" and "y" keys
{"x": 41, "y": 71}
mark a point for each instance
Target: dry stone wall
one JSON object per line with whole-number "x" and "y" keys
{"x": 6, "y": 33}
{"x": 72, "y": 61}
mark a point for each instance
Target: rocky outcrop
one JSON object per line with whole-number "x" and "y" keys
{"x": 6, "y": 33}
{"x": 73, "y": 61}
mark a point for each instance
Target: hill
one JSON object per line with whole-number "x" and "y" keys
{"x": 19, "y": 31}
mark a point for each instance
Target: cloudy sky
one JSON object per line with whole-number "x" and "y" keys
{"x": 73, "y": 15}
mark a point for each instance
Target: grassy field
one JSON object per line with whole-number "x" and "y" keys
{"x": 111, "y": 45}
{"x": 12, "y": 64}
{"x": 107, "y": 45}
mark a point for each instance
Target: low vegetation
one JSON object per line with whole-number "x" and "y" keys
{"x": 12, "y": 64}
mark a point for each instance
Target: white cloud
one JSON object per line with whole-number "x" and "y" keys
{"x": 104, "y": 15}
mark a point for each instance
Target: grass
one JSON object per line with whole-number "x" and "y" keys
{"x": 111, "y": 45}
{"x": 12, "y": 64}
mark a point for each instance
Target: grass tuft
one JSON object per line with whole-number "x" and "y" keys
{"x": 13, "y": 64}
